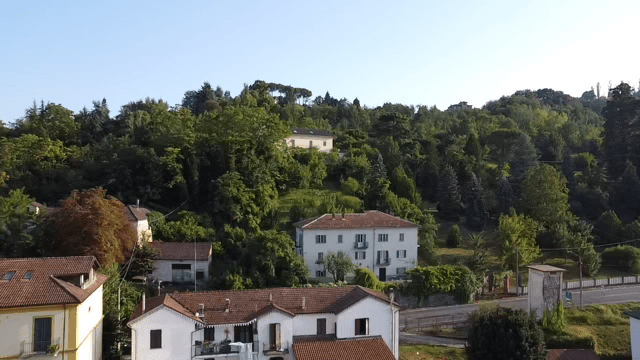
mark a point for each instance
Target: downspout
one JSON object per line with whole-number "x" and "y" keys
{"x": 373, "y": 257}
{"x": 64, "y": 327}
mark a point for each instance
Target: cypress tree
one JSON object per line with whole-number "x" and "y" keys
{"x": 449, "y": 205}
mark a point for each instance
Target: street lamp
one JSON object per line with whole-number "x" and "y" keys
{"x": 580, "y": 259}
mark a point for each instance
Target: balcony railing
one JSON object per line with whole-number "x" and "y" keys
{"x": 361, "y": 245}
{"x": 37, "y": 347}
{"x": 383, "y": 261}
{"x": 218, "y": 348}
{"x": 279, "y": 348}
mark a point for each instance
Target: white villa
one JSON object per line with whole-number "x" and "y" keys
{"x": 181, "y": 262}
{"x": 383, "y": 243}
{"x": 311, "y": 138}
{"x": 281, "y": 323}
{"x": 51, "y": 304}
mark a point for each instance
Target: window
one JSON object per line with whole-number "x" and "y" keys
{"x": 321, "y": 273}
{"x": 310, "y": 143}
{"x": 299, "y": 244}
{"x": 322, "y": 326}
{"x": 361, "y": 255}
{"x": 180, "y": 273}
{"x": 42, "y": 333}
{"x": 361, "y": 237}
{"x": 320, "y": 257}
{"x": 362, "y": 326}
{"x": 199, "y": 275}
{"x": 28, "y": 275}
{"x": 383, "y": 257}
{"x": 401, "y": 270}
{"x": 401, "y": 254}
{"x": 275, "y": 338}
{"x": 156, "y": 339}
{"x": 339, "y": 239}
{"x": 8, "y": 275}
{"x": 401, "y": 237}
{"x": 209, "y": 334}
{"x": 383, "y": 237}
{"x": 243, "y": 334}
{"x": 321, "y": 239}
{"x": 324, "y": 143}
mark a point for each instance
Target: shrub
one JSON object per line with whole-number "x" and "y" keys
{"x": 626, "y": 256}
{"x": 554, "y": 320}
{"x": 457, "y": 279}
{"x": 455, "y": 237}
{"x": 366, "y": 278}
{"x": 566, "y": 341}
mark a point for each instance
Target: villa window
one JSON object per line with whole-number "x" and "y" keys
{"x": 156, "y": 339}
{"x": 321, "y": 239}
{"x": 180, "y": 273}
{"x": 209, "y": 334}
{"x": 383, "y": 237}
{"x": 401, "y": 237}
{"x": 339, "y": 239}
{"x": 401, "y": 254}
{"x": 362, "y": 326}
{"x": 322, "y": 326}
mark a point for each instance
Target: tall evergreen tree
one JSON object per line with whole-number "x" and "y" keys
{"x": 449, "y": 205}
{"x": 475, "y": 209}
{"x": 504, "y": 196}
{"x": 621, "y": 129}
{"x": 523, "y": 157}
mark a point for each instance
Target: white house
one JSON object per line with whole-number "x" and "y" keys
{"x": 280, "y": 323}
{"x": 311, "y": 138}
{"x": 51, "y": 301}
{"x": 181, "y": 262}
{"x": 383, "y": 243}
{"x": 634, "y": 319}
{"x": 137, "y": 217}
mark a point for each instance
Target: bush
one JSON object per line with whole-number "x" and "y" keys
{"x": 503, "y": 333}
{"x": 455, "y": 237}
{"x": 626, "y": 256}
{"x": 457, "y": 279}
{"x": 366, "y": 278}
{"x": 565, "y": 341}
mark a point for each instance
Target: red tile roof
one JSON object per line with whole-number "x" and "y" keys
{"x": 46, "y": 286}
{"x": 167, "y": 301}
{"x": 135, "y": 213}
{"x": 571, "y": 354}
{"x": 182, "y": 250}
{"x": 368, "y": 219}
{"x": 370, "y": 348}
{"x": 248, "y": 305}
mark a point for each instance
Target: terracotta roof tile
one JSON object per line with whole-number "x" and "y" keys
{"x": 571, "y": 354}
{"x": 368, "y": 219}
{"x": 46, "y": 286}
{"x": 165, "y": 300}
{"x": 371, "y": 348}
{"x": 134, "y": 213}
{"x": 247, "y": 305}
{"x": 182, "y": 250}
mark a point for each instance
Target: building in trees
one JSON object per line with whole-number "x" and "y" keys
{"x": 311, "y": 138}
{"x": 383, "y": 243}
{"x": 459, "y": 106}
{"x": 182, "y": 262}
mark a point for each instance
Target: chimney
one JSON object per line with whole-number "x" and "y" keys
{"x": 143, "y": 302}
{"x": 270, "y": 297}
{"x": 228, "y": 305}
{"x": 303, "y": 303}
{"x": 138, "y": 203}
{"x": 201, "y": 313}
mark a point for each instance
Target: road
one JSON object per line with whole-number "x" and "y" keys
{"x": 612, "y": 295}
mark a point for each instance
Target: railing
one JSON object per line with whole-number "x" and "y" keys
{"x": 203, "y": 349}
{"x": 319, "y": 261}
{"x": 279, "y": 348}
{"x": 361, "y": 245}
{"x": 33, "y": 347}
{"x": 591, "y": 283}
{"x": 383, "y": 261}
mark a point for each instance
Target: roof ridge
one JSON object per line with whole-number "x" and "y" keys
{"x": 47, "y": 258}
{"x": 314, "y": 220}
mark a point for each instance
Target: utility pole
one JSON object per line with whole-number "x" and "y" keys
{"x": 517, "y": 271}
{"x": 580, "y": 259}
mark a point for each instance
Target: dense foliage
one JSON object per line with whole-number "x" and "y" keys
{"x": 458, "y": 279}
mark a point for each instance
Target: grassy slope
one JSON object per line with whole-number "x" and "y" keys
{"x": 430, "y": 352}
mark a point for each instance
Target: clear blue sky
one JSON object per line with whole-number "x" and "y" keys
{"x": 410, "y": 52}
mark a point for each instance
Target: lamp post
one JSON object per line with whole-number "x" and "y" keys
{"x": 580, "y": 259}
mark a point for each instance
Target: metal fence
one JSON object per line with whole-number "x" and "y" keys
{"x": 431, "y": 322}
{"x": 590, "y": 283}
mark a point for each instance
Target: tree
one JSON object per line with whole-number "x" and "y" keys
{"x": 545, "y": 197}
{"x": 478, "y": 262}
{"x": 475, "y": 209}
{"x": 578, "y": 237}
{"x": 404, "y": 186}
{"x": 627, "y": 192}
{"x": 92, "y": 223}
{"x": 620, "y": 129}
{"x": 517, "y": 235}
{"x": 523, "y": 157}
{"x": 504, "y": 196}
{"x": 129, "y": 298}
{"x": 338, "y": 265}
{"x": 454, "y": 239}
{"x": 450, "y": 202}
{"x": 16, "y": 238}
{"x": 142, "y": 260}
{"x": 502, "y": 333}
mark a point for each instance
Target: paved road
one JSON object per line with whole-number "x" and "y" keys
{"x": 612, "y": 295}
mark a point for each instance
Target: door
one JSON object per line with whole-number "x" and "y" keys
{"x": 42, "y": 334}
{"x": 274, "y": 336}
{"x": 383, "y": 274}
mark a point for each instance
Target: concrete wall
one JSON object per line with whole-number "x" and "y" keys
{"x": 162, "y": 269}
{"x": 310, "y": 249}
{"x": 302, "y": 141}
{"x": 176, "y": 336}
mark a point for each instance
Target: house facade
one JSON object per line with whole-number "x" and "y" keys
{"x": 51, "y": 301}
{"x": 311, "y": 138}
{"x": 383, "y": 243}
{"x": 281, "y": 323}
{"x": 137, "y": 218}
{"x": 180, "y": 262}
{"x": 634, "y": 323}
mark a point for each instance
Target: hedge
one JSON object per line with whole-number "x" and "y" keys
{"x": 626, "y": 256}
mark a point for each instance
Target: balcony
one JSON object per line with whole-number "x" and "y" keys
{"x": 383, "y": 261}
{"x": 224, "y": 349}
{"x": 279, "y": 348}
{"x": 361, "y": 245}
{"x": 38, "y": 349}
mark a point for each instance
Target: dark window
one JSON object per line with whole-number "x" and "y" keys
{"x": 340, "y": 239}
{"x": 199, "y": 275}
{"x": 362, "y": 326}
{"x": 181, "y": 266}
{"x": 42, "y": 334}
{"x": 8, "y": 275}
{"x": 322, "y": 326}
{"x": 274, "y": 336}
{"x": 28, "y": 275}
{"x": 156, "y": 339}
{"x": 243, "y": 334}
{"x": 209, "y": 334}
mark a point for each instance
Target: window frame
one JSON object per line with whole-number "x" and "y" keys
{"x": 8, "y": 275}
{"x": 156, "y": 335}
{"x": 401, "y": 252}
{"x": 383, "y": 237}
{"x": 211, "y": 332}
{"x": 321, "y": 326}
{"x": 340, "y": 239}
{"x": 401, "y": 237}
{"x": 321, "y": 239}
{"x": 360, "y": 325}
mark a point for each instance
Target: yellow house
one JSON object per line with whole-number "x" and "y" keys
{"x": 51, "y": 308}
{"x": 311, "y": 138}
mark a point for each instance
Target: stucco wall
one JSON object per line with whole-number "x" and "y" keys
{"x": 162, "y": 269}
{"x": 308, "y": 324}
{"x": 310, "y": 249}
{"x": 286, "y": 327}
{"x": 380, "y": 320}
{"x": 302, "y": 141}
{"x": 176, "y": 336}
{"x": 91, "y": 346}
{"x": 16, "y": 326}
{"x": 635, "y": 338}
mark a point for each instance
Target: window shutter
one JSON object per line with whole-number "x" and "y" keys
{"x": 367, "y": 324}
{"x": 397, "y": 253}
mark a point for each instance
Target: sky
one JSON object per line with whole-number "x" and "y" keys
{"x": 410, "y": 52}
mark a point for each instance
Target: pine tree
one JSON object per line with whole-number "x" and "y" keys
{"x": 523, "y": 157}
{"x": 475, "y": 209}
{"x": 449, "y": 194}
{"x": 504, "y": 196}
{"x": 378, "y": 169}
{"x": 455, "y": 237}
